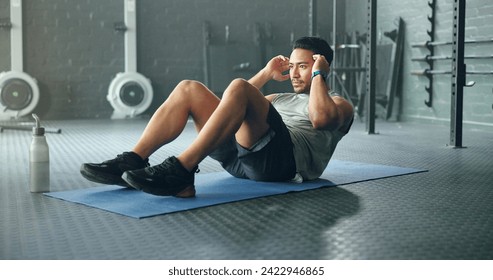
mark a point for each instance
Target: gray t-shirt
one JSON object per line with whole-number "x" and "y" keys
{"x": 312, "y": 147}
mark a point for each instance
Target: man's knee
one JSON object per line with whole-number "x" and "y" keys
{"x": 239, "y": 86}
{"x": 239, "y": 83}
{"x": 190, "y": 85}
{"x": 192, "y": 89}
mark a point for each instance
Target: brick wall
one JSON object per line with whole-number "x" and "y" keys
{"x": 4, "y": 37}
{"x": 73, "y": 51}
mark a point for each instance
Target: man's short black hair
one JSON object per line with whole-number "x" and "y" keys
{"x": 316, "y": 45}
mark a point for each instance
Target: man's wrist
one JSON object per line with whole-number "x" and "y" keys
{"x": 322, "y": 73}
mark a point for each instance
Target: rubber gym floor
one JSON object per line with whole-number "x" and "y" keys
{"x": 445, "y": 213}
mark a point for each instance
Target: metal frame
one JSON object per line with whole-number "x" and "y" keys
{"x": 447, "y": 72}
{"x": 312, "y": 18}
{"x": 431, "y": 34}
{"x": 334, "y": 42}
{"x": 446, "y": 57}
{"x": 458, "y": 73}
{"x": 396, "y": 67}
{"x": 371, "y": 66}
{"x": 17, "y": 65}
{"x": 431, "y": 43}
{"x": 458, "y": 69}
{"x": 130, "y": 76}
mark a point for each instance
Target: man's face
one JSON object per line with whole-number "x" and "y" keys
{"x": 300, "y": 70}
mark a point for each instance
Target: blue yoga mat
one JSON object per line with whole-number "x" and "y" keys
{"x": 220, "y": 187}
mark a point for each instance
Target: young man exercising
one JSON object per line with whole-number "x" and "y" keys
{"x": 278, "y": 137}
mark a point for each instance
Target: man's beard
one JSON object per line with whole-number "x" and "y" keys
{"x": 300, "y": 86}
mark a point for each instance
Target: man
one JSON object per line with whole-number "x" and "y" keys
{"x": 278, "y": 137}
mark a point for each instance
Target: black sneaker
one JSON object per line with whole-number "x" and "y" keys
{"x": 110, "y": 171}
{"x": 169, "y": 178}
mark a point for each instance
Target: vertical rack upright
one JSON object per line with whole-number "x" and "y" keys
{"x": 430, "y": 47}
{"x": 458, "y": 73}
{"x": 371, "y": 66}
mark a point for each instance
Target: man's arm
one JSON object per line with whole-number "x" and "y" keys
{"x": 273, "y": 70}
{"x": 325, "y": 111}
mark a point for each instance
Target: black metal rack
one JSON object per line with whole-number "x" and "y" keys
{"x": 431, "y": 34}
{"x": 458, "y": 73}
{"x": 371, "y": 47}
{"x": 458, "y": 68}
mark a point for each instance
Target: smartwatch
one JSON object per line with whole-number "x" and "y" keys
{"x": 320, "y": 72}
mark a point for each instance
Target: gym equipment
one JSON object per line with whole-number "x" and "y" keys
{"x": 347, "y": 70}
{"x": 458, "y": 73}
{"x": 19, "y": 92}
{"x": 396, "y": 66}
{"x": 28, "y": 127}
{"x": 130, "y": 93}
{"x": 387, "y": 75}
{"x": 444, "y": 57}
{"x": 431, "y": 34}
{"x": 458, "y": 69}
{"x": 428, "y": 72}
{"x": 371, "y": 51}
{"x": 312, "y": 17}
{"x": 431, "y": 43}
{"x": 220, "y": 187}
{"x": 227, "y": 60}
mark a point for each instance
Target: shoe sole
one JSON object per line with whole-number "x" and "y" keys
{"x": 187, "y": 192}
{"x": 107, "y": 180}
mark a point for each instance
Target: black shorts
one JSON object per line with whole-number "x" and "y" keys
{"x": 270, "y": 159}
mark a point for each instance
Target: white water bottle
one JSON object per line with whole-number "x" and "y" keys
{"x": 39, "y": 160}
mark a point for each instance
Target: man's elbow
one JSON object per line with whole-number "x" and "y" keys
{"x": 325, "y": 123}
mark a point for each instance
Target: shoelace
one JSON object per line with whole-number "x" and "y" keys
{"x": 159, "y": 168}
{"x": 122, "y": 158}
{"x": 119, "y": 158}
{"x": 166, "y": 165}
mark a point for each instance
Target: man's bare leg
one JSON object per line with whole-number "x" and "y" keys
{"x": 189, "y": 98}
{"x": 242, "y": 112}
